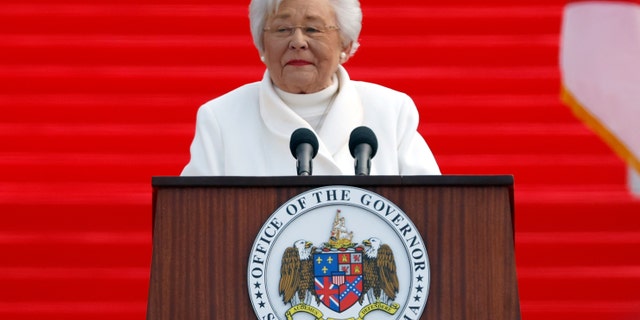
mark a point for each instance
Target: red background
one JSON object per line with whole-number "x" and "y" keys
{"x": 97, "y": 97}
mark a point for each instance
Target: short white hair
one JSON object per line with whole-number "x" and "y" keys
{"x": 348, "y": 14}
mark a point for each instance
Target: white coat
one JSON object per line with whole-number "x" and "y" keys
{"x": 246, "y": 132}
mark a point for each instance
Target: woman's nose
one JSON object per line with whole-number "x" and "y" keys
{"x": 298, "y": 40}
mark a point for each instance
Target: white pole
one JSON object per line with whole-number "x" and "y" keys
{"x": 634, "y": 182}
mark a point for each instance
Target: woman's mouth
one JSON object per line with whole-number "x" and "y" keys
{"x": 298, "y": 63}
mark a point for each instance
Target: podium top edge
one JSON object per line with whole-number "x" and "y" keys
{"x": 245, "y": 181}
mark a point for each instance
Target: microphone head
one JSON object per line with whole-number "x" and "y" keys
{"x": 361, "y": 135}
{"x": 303, "y": 135}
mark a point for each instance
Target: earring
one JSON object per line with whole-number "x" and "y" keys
{"x": 262, "y": 58}
{"x": 343, "y": 55}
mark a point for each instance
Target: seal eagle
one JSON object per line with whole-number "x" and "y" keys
{"x": 296, "y": 274}
{"x": 380, "y": 281}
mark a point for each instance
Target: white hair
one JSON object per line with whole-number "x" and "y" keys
{"x": 348, "y": 14}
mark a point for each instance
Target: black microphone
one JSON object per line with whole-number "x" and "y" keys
{"x": 304, "y": 147}
{"x": 363, "y": 145}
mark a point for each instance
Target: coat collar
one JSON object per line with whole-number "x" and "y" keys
{"x": 346, "y": 114}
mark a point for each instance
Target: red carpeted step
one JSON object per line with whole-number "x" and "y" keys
{"x": 95, "y": 310}
{"x": 493, "y": 109}
{"x": 81, "y": 167}
{"x": 573, "y": 249}
{"x": 105, "y": 108}
{"x": 70, "y": 285}
{"x": 587, "y": 284}
{"x": 589, "y": 212}
{"x": 489, "y": 139}
{"x": 97, "y": 216}
{"x": 558, "y": 170}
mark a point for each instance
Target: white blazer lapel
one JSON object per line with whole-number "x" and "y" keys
{"x": 276, "y": 115}
{"x": 345, "y": 114}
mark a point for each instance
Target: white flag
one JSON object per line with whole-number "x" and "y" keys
{"x": 600, "y": 65}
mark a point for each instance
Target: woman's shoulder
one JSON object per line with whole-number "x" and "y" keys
{"x": 377, "y": 91}
{"x": 241, "y": 96}
{"x": 376, "y": 94}
{"x": 236, "y": 105}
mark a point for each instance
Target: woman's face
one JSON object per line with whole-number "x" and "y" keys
{"x": 304, "y": 61}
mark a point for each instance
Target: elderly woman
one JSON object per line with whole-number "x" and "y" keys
{"x": 304, "y": 43}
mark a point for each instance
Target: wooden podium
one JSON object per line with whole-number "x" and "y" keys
{"x": 204, "y": 228}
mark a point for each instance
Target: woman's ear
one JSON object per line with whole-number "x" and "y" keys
{"x": 345, "y": 54}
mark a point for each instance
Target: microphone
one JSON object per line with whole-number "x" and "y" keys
{"x": 304, "y": 147}
{"x": 363, "y": 145}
